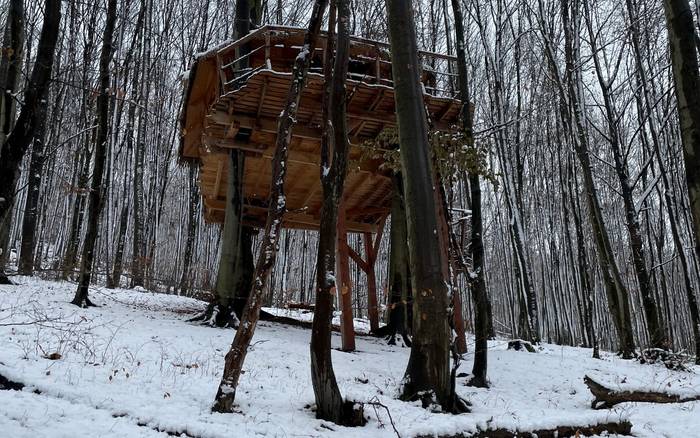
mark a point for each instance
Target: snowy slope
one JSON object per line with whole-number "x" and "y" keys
{"x": 134, "y": 366}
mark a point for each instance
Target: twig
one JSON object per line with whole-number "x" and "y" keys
{"x": 374, "y": 402}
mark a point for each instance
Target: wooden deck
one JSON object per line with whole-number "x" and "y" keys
{"x": 228, "y": 108}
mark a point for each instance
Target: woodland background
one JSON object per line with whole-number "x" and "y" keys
{"x": 536, "y": 227}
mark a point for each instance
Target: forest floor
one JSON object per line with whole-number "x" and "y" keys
{"x": 134, "y": 367}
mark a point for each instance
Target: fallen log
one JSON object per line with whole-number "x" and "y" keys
{"x": 269, "y": 317}
{"x": 623, "y": 427}
{"x": 301, "y": 306}
{"x": 7, "y": 384}
{"x": 606, "y": 398}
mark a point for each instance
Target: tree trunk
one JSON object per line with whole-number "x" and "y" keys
{"x": 400, "y": 294}
{"x": 476, "y": 275}
{"x": 428, "y": 373}
{"x": 329, "y": 403}
{"x": 96, "y": 190}
{"x": 10, "y": 69}
{"x": 33, "y": 111}
{"x": 192, "y": 221}
{"x": 681, "y": 36}
{"x": 31, "y": 215}
{"x": 115, "y": 279}
{"x": 235, "y": 357}
{"x": 236, "y": 263}
{"x": 584, "y": 275}
{"x": 138, "y": 256}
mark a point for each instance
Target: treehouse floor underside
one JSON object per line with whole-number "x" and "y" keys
{"x": 246, "y": 119}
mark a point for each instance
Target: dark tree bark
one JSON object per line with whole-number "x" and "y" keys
{"x": 114, "y": 279}
{"x": 584, "y": 275}
{"x": 96, "y": 190}
{"x": 329, "y": 402}
{"x": 235, "y": 357}
{"x": 400, "y": 311}
{"x": 83, "y": 156}
{"x": 33, "y": 111}
{"x": 681, "y": 36}
{"x": 245, "y": 269}
{"x": 141, "y": 83}
{"x": 10, "y": 69}
{"x": 477, "y": 279}
{"x": 31, "y": 215}
{"x": 428, "y": 373}
{"x": 82, "y": 168}
{"x": 235, "y": 271}
{"x": 192, "y": 222}
{"x": 235, "y": 265}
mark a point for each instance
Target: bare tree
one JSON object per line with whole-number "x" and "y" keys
{"x": 226, "y": 392}
{"x": 335, "y": 149}
{"x": 96, "y": 188}
{"x": 33, "y": 110}
{"x": 682, "y": 40}
{"x": 428, "y": 373}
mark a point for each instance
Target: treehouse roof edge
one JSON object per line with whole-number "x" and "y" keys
{"x": 227, "y": 107}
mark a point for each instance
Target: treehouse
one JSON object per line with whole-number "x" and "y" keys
{"x": 228, "y": 107}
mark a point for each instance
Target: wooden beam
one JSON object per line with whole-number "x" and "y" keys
{"x": 232, "y": 144}
{"x": 262, "y": 93}
{"x": 378, "y": 238}
{"x": 267, "y": 124}
{"x": 295, "y": 156}
{"x": 263, "y": 124}
{"x": 310, "y": 194}
{"x": 377, "y": 100}
{"x": 372, "y": 310}
{"x": 219, "y": 174}
{"x": 291, "y": 217}
{"x": 367, "y": 211}
{"x": 343, "y": 284}
{"x": 357, "y": 259}
{"x": 443, "y": 112}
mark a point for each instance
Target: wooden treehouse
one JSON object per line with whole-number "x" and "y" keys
{"x": 225, "y": 107}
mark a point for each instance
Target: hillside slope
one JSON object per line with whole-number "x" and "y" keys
{"x": 134, "y": 367}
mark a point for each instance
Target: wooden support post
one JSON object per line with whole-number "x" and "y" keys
{"x": 372, "y": 310}
{"x": 343, "y": 283}
{"x": 222, "y": 74}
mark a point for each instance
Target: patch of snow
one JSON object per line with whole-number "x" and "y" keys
{"x": 135, "y": 360}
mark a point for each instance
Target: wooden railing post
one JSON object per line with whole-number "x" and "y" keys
{"x": 222, "y": 74}
{"x": 378, "y": 66}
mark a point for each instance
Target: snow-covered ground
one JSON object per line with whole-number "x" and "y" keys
{"x": 134, "y": 366}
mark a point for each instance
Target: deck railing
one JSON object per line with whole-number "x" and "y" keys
{"x": 437, "y": 70}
